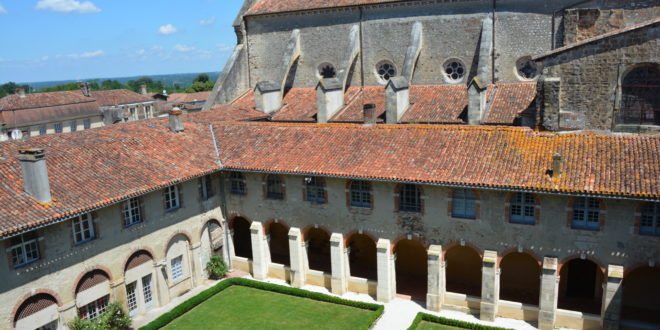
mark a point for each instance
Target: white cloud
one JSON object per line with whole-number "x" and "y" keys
{"x": 44, "y": 58}
{"x": 67, "y": 6}
{"x": 2, "y": 9}
{"x": 225, "y": 47}
{"x": 92, "y": 54}
{"x": 207, "y": 21}
{"x": 167, "y": 29}
{"x": 183, "y": 48}
{"x": 140, "y": 52}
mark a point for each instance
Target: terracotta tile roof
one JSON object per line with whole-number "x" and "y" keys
{"x": 37, "y": 107}
{"x": 41, "y": 100}
{"x": 436, "y": 104}
{"x": 509, "y": 101}
{"x": 228, "y": 113}
{"x": 356, "y": 97}
{"x": 118, "y": 97}
{"x": 648, "y": 23}
{"x": 188, "y": 97}
{"x": 276, "y": 6}
{"x": 299, "y": 105}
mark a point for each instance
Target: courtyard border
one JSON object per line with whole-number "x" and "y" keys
{"x": 450, "y": 322}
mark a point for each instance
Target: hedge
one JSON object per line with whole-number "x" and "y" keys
{"x": 189, "y": 304}
{"x": 451, "y": 322}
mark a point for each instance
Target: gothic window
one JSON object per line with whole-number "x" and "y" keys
{"x": 360, "y": 194}
{"x": 463, "y": 204}
{"x": 274, "y": 187}
{"x": 327, "y": 70}
{"x": 586, "y": 214}
{"x": 385, "y": 70}
{"x": 410, "y": 198}
{"x": 640, "y": 99}
{"x": 237, "y": 183}
{"x": 454, "y": 70}
{"x": 523, "y": 209}
{"x": 315, "y": 190}
{"x": 650, "y": 219}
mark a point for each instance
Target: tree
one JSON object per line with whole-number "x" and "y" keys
{"x": 10, "y": 87}
{"x": 113, "y": 318}
{"x": 199, "y": 86}
{"x": 202, "y": 77}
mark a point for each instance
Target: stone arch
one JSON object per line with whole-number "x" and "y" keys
{"x": 520, "y": 277}
{"x": 278, "y": 242}
{"x": 317, "y": 239}
{"x": 412, "y": 237}
{"x": 183, "y": 233}
{"x": 92, "y": 292}
{"x": 232, "y": 217}
{"x": 136, "y": 250}
{"x": 640, "y": 97}
{"x": 641, "y": 294}
{"x": 137, "y": 258}
{"x": 463, "y": 272}
{"x": 580, "y": 284}
{"x": 308, "y": 228}
{"x": 362, "y": 254}
{"x": 212, "y": 240}
{"x": 411, "y": 267}
{"x": 177, "y": 252}
{"x": 241, "y": 236}
{"x": 35, "y": 310}
{"x": 348, "y": 235}
{"x": 207, "y": 223}
{"x": 82, "y": 275}
{"x": 460, "y": 243}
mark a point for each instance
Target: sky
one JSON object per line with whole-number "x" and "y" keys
{"x": 45, "y": 40}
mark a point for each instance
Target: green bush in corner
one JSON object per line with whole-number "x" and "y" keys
{"x": 216, "y": 268}
{"x": 445, "y": 321}
{"x": 113, "y": 318}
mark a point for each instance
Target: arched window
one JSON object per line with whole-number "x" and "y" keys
{"x": 360, "y": 194}
{"x": 463, "y": 204}
{"x": 640, "y": 100}
{"x": 274, "y": 187}
{"x": 315, "y": 190}
{"x": 650, "y": 220}
{"x": 523, "y": 209}
{"x": 410, "y": 198}
{"x": 237, "y": 183}
{"x": 586, "y": 214}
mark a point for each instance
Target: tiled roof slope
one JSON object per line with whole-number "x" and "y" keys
{"x": 276, "y": 6}
{"x": 118, "y": 97}
{"x": 509, "y": 101}
{"x": 36, "y": 107}
{"x": 41, "y": 100}
{"x": 188, "y": 97}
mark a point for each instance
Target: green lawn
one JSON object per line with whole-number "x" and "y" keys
{"x": 426, "y": 325}
{"x": 240, "y": 307}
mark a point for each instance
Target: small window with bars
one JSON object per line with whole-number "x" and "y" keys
{"x": 131, "y": 211}
{"x": 523, "y": 209}
{"x": 360, "y": 194}
{"x": 43, "y": 130}
{"x": 87, "y": 124}
{"x": 83, "y": 228}
{"x": 206, "y": 187}
{"x": 171, "y": 198}
{"x": 24, "y": 249}
{"x": 177, "y": 268}
{"x": 74, "y": 126}
{"x": 236, "y": 183}
{"x": 274, "y": 187}
{"x": 131, "y": 297}
{"x": 58, "y": 127}
{"x": 464, "y": 204}
{"x": 315, "y": 190}
{"x": 410, "y": 198}
{"x": 94, "y": 309}
{"x": 650, "y": 219}
{"x": 586, "y": 214}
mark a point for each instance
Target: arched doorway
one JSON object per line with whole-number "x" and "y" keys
{"x": 278, "y": 243}
{"x": 178, "y": 262}
{"x": 362, "y": 256}
{"x": 411, "y": 269}
{"x": 212, "y": 241}
{"x": 520, "y": 278}
{"x": 241, "y": 238}
{"x": 463, "y": 271}
{"x": 93, "y": 294}
{"x": 318, "y": 250}
{"x": 641, "y": 295}
{"x": 139, "y": 280}
{"x": 37, "y": 312}
{"x": 580, "y": 286}
{"x": 640, "y": 99}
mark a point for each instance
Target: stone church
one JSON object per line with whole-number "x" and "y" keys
{"x": 499, "y": 158}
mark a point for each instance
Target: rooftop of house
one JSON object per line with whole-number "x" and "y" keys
{"x": 118, "y": 97}
{"x": 87, "y": 169}
{"x": 188, "y": 97}
{"x": 277, "y": 6}
{"x": 41, "y": 107}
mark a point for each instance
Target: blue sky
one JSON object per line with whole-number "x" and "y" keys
{"x": 45, "y": 40}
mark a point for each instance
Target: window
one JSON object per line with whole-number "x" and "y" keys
{"x": 177, "y": 268}
{"x": 93, "y": 309}
{"x": 463, "y": 204}
{"x": 360, "y": 193}
{"x": 131, "y": 211}
{"x": 385, "y": 70}
{"x": 74, "y": 126}
{"x": 42, "y": 130}
{"x": 146, "y": 291}
{"x": 131, "y": 297}
{"x": 640, "y": 100}
{"x": 171, "y": 198}
{"x": 147, "y": 110}
{"x": 585, "y": 214}
{"x": 315, "y": 190}
{"x": 87, "y": 123}
{"x": 274, "y": 187}
{"x": 24, "y": 249}
{"x": 454, "y": 70}
{"x": 410, "y": 198}
{"x": 327, "y": 70}
{"x": 650, "y": 220}
{"x": 523, "y": 209}
{"x": 526, "y": 68}
{"x": 206, "y": 187}
{"x": 83, "y": 228}
{"x": 58, "y": 127}
{"x": 237, "y": 183}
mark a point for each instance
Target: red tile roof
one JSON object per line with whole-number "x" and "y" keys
{"x": 276, "y": 6}
{"x": 436, "y": 104}
{"x": 41, "y": 100}
{"x": 355, "y": 99}
{"x": 509, "y": 101}
{"x": 87, "y": 169}
{"x": 37, "y": 107}
{"x": 188, "y": 97}
{"x": 118, "y": 97}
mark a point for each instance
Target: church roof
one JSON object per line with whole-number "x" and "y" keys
{"x": 278, "y": 6}
{"x": 88, "y": 169}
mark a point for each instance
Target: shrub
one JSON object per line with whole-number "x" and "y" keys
{"x": 216, "y": 267}
{"x": 113, "y": 318}
{"x": 451, "y": 322}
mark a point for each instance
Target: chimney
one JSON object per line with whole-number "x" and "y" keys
{"x": 369, "y": 114}
{"x": 143, "y": 89}
{"x": 84, "y": 87}
{"x": 35, "y": 173}
{"x": 329, "y": 98}
{"x": 397, "y": 97}
{"x": 267, "y": 96}
{"x": 476, "y": 101}
{"x": 556, "y": 165}
{"x": 176, "y": 120}
{"x": 20, "y": 92}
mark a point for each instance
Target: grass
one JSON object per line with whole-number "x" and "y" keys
{"x": 426, "y": 325}
{"x": 240, "y": 307}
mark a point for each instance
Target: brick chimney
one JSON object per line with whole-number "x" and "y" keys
{"x": 176, "y": 120}
{"x": 267, "y": 96}
{"x": 397, "y": 97}
{"x": 329, "y": 98}
{"x": 35, "y": 173}
{"x": 84, "y": 88}
{"x": 556, "y": 165}
{"x": 20, "y": 92}
{"x": 369, "y": 111}
{"x": 143, "y": 89}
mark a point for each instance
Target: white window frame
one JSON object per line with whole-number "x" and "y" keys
{"x": 177, "y": 268}
{"x": 131, "y": 297}
{"x": 147, "y": 292}
{"x": 26, "y": 251}
{"x": 172, "y": 201}
{"x": 652, "y": 220}
{"x": 78, "y": 228}
{"x": 518, "y": 209}
{"x": 585, "y": 211}
{"x": 206, "y": 187}
{"x": 131, "y": 211}
{"x": 95, "y": 308}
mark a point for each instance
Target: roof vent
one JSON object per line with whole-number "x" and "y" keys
{"x": 35, "y": 173}
{"x": 176, "y": 120}
{"x": 20, "y": 92}
{"x": 556, "y": 165}
{"x": 369, "y": 111}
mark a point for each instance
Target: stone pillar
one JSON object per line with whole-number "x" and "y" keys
{"x": 296, "y": 247}
{"x": 196, "y": 268}
{"x": 338, "y": 261}
{"x": 490, "y": 286}
{"x": 227, "y": 245}
{"x": 549, "y": 294}
{"x": 160, "y": 283}
{"x": 386, "y": 287}
{"x": 435, "y": 293}
{"x": 612, "y": 292}
{"x": 68, "y": 311}
{"x": 259, "y": 260}
{"x": 118, "y": 291}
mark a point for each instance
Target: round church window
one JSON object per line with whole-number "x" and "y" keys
{"x": 327, "y": 70}
{"x": 454, "y": 70}
{"x": 526, "y": 68}
{"x": 385, "y": 70}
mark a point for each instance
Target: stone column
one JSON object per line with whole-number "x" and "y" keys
{"x": 435, "y": 293}
{"x": 196, "y": 268}
{"x": 386, "y": 287}
{"x": 118, "y": 291}
{"x": 259, "y": 261}
{"x": 337, "y": 256}
{"x": 296, "y": 247}
{"x": 160, "y": 283}
{"x": 549, "y": 294}
{"x": 490, "y": 286}
{"x": 612, "y": 292}
{"x": 67, "y": 311}
{"x": 227, "y": 244}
